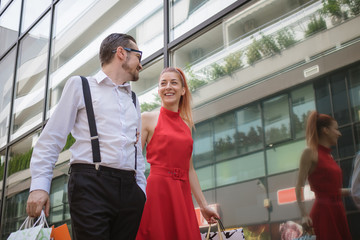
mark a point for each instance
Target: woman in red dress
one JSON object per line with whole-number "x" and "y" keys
{"x": 169, "y": 211}
{"x": 327, "y": 216}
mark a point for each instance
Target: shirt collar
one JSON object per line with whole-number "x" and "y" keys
{"x": 102, "y": 77}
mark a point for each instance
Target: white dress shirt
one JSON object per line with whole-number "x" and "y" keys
{"x": 116, "y": 121}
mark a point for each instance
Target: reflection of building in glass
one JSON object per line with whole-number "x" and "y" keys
{"x": 255, "y": 69}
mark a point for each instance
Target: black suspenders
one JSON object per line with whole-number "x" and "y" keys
{"x": 92, "y": 124}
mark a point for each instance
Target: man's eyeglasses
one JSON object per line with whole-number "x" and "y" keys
{"x": 130, "y": 50}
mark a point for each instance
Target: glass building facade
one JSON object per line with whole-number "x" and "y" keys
{"x": 255, "y": 68}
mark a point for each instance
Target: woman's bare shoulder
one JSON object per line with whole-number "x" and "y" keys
{"x": 149, "y": 118}
{"x": 149, "y": 115}
{"x": 309, "y": 154}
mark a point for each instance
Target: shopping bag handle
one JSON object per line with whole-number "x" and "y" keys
{"x": 41, "y": 220}
{"x": 29, "y": 221}
{"x": 220, "y": 228}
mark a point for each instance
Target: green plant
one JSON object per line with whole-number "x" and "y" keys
{"x": 268, "y": 45}
{"x": 285, "y": 38}
{"x": 253, "y": 54}
{"x": 216, "y": 71}
{"x": 233, "y": 62}
{"x": 354, "y": 6}
{"x": 69, "y": 142}
{"x": 2, "y": 167}
{"x": 332, "y": 8}
{"x": 315, "y": 25}
{"x": 19, "y": 162}
{"x": 193, "y": 81}
{"x": 147, "y": 107}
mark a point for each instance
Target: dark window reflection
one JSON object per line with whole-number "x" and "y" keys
{"x": 225, "y": 133}
{"x": 323, "y": 103}
{"x": 354, "y": 90}
{"x": 303, "y": 101}
{"x": 277, "y": 119}
{"x": 15, "y": 213}
{"x": 345, "y": 143}
{"x": 203, "y": 153}
{"x": 249, "y": 136}
{"x": 357, "y": 136}
{"x": 340, "y": 100}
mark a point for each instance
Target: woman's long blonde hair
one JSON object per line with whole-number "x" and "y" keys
{"x": 185, "y": 100}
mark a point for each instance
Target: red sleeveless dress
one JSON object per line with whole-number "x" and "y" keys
{"x": 169, "y": 211}
{"x": 328, "y": 212}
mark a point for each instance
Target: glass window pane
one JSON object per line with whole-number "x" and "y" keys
{"x": 242, "y": 204}
{"x": 31, "y": 77}
{"x": 249, "y": 136}
{"x": 146, "y": 87}
{"x": 224, "y": 134}
{"x": 354, "y": 79}
{"x": 206, "y": 177}
{"x": 277, "y": 119}
{"x": 31, "y": 11}
{"x": 2, "y": 166}
{"x": 14, "y": 213}
{"x": 16, "y": 191}
{"x": 283, "y": 212}
{"x": 322, "y": 95}
{"x": 9, "y": 26}
{"x": 285, "y": 157}
{"x": 185, "y": 15}
{"x": 203, "y": 152}
{"x": 339, "y": 98}
{"x": 58, "y": 200}
{"x": 240, "y": 169}
{"x": 3, "y": 3}
{"x": 345, "y": 142}
{"x": 80, "y": 26}
{"x": 7, "y": 68}
{"x": 303, "y": 101}
{"x": 357, "y": 137}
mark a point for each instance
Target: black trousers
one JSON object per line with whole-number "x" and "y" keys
{"x": 104, "y": 204}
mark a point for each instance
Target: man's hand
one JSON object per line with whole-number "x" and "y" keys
{"x": 36, "y": 201}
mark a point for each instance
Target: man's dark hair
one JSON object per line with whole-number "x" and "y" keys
{"x": 111, "y": 43}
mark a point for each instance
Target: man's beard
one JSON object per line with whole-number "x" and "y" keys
{"x": 133, "y": 75}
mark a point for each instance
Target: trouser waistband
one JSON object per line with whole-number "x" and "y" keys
{"x": 108, "y": 171}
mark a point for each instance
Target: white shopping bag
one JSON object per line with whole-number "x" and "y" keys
{"x": 29, "y": 231}
{"x": 221, "y": 234}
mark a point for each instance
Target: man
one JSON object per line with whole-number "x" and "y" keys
{"x": 355, "y": 181}
{"x": 107, "y": 198}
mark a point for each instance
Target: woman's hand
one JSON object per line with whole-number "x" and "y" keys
{"x": 209, "y": 214}
{"x": 307, "y": 224}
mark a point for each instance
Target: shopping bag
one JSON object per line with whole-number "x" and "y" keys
{"x": 307, "y": 235}
{"x": 32, "y": 231}
{"x": 222, "y": 234}
{"x": 60, "y": 233}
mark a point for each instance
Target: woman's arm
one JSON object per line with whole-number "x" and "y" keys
{"x": 307, "y": 162}
{"x": 144, "y": 128}
{"x": 208, "y": 213}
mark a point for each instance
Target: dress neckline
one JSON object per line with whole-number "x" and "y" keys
{"x": 169, "y": 112}
{"x": 325, "y": 149}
